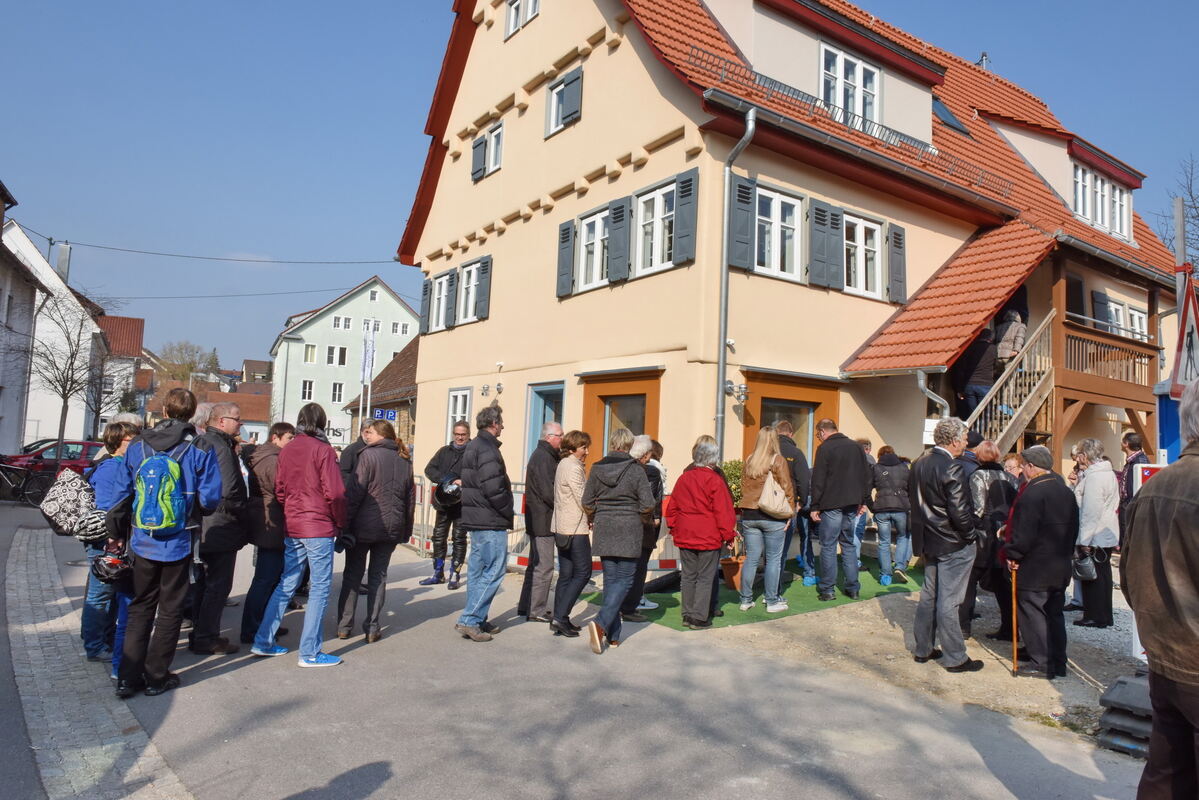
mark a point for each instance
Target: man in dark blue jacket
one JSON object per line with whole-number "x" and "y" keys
{"x": 487, "y": 514}
{"x": 841, "y": 483}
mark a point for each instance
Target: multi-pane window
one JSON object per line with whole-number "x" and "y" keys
{"x": 438, "y": 305}
{"x": 1119, "y": 225}
{"x": 495, "y": 148}
{"x": 863, "y": 273}
{"x": 1138, "y": 324}
{"x": 459, "y": 410}
{"x": 404, "y": 329}
{"x": 468, "y": 293}
{"x": 1082, "y": 191}
{"x": 305, "y": 390}
{"x": 593, "y": 251}
{"x": 655, "y": 240}
{"x": 1102, "y": 202}
{"x": 369, "y": 325}
{"x": 849, "y": 84}
{"x": 374, "y": 295}
{"x": 519, "y": 14}
{"x": 336, "y": 394}
{"x": 309, "y": 354}
{"x": 395, "y": 327}
{"x": 557, "y": 107}
{"x": 335, "y": 356}
{"x": 777, "y": 244}
{"x": 1115, "y": 313}
{"x": 341, "y": 323}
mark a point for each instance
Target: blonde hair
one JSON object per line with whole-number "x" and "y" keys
{"x": 766, "y": 449}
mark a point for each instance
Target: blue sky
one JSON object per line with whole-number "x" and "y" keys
{"x": 295, "y": 131}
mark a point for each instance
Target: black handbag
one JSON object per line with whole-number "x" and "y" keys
{"x": 1084, "y": 568}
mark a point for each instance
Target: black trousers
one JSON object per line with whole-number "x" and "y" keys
{"x": 634, "y": 596}
{"x": 1043, "y": 628}
{"x": 442, "y": 525}
{"x": 966, "y": 609}
{"x": 574, "y": 570}
{"x": 1001, "y": 579}
{"x": 159, "y": 588}
{"x": 1097, "y": 594}
{"x": 376, "y": 585}
{"x": 695, "y": 582}
{"x": 1172, "y": 772}
{"x": 214, "y": 581}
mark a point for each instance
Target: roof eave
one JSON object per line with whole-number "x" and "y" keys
{"x": 1157, "y": 276}
{"x": 815, "y": 135}
{"x": 883, "y": 373}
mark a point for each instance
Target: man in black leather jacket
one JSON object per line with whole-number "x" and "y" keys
{"x": 943, "y": 530}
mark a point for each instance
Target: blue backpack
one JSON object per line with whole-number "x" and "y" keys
{"x": 160, "y": 506}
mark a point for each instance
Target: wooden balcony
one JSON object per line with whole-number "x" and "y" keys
{"x": 1108, "y": 368}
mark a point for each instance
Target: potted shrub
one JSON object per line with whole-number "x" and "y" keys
{"x": 730, "y": 565}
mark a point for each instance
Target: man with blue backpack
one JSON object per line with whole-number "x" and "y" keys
{"x": 166, "y": 485}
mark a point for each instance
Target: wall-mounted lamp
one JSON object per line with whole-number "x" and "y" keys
{"x": 738, "y": 392}
{"x": 499, "y": 388}
{"x": 486, "y": 389}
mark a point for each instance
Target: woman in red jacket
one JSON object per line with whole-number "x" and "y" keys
{"x": 702, "y": 521}
{"x": 309, "y": 486}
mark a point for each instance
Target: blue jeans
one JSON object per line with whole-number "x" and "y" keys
{"x": 762, "y": 535}
{"x": 484, "y": 573}
{"x": 98, "y": 610}
{"x": 121, "y": 600}
{"x": 804, "y": 523}
{"x": 618, "y": 579}
{"x": 318, "y": 555}
{"x": 268, "y": 568}
{"x": 859, "y": 530}
{"x": 972, "y": 395}
{"x": 836, "y": 527}
{"x": 893, "y": 524}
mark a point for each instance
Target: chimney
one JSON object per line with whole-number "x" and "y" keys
{"x": 63, "y": 267}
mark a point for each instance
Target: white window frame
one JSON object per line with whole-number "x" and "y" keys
{"x": 591, "y": 270}
{"x": 861, "y": 225}
{"x": 494, "y": 148}
{"x": 336, "y": 323}
{"x": 468, "y": 294}
{"x": 775, "y": 234}
{"x": 661, "y": 239}
{"x": 1102, "y": 202}
{"x": 337, "y": 392}
{"x": 841, "y": 83}
{"x": 1138, "y": 323}
{"x": 555, "y": 100}
{"x": 395, "y": 327}
{"x": 309, "y": 354}
{"x": 306, "y": 388}
{"x": 514, "y": 21}
{"x": 374, "y": 295}
{"x": 437, "y": 303}
{"x": 404, "y": 329}
{"x": 345, "y": 323}
{"x": 1115, "y": 315}
{"x": 457, "y": 409}
{"x": 335, "y": 356}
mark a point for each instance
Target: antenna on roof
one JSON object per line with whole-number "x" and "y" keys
{"x": 984, "y": 61}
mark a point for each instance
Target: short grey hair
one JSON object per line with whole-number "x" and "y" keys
{"x": 620, "y": 440}
{"x": 705, "y": 453}
{"x": 130, "y": 418}
{"x": 948, "y": 431}
{"x": 203, "y": 415}
{"x": 489, "y": 416}
{"x": 224, "y": 410}
{"x": 1091, "y": 448}
{"x": 642, "y": 444}
{"x": 551, "y": 428}
{"x": 1188, "y": 414}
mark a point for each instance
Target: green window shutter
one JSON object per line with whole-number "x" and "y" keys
{"x": 897, "y": 264}
{"x": 483, "y": 289}
{"x": 826, "y": 245}
{"x": 451, "y": 299}
{"x": 566, "y": 258}
{"x": 572, "y": 96}
{"x": 620, "y": 239}
{"x": 1101, "y": 310}
{"x": 742, "y": 195}
{"x": 478, "y": 158}
{"x": 686, "y": 207}
{"x": 426, "y": 294}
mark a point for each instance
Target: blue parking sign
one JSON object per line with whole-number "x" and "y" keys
{"x": 391, "y": 415}
{"x": 378, "y": 413}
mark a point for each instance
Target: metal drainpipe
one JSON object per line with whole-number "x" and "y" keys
{"x": 751, "y": 118}
{"x": 922, "y": 382}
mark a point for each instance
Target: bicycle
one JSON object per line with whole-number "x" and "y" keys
{"x": 19, "y": 483}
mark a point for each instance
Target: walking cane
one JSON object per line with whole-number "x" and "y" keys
{"x": 1015, "y": 621}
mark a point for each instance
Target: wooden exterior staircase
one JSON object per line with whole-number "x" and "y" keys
{"x": 1013, "y": 402}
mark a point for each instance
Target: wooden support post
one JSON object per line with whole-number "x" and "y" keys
{"x": 1154, "y": 333}
{"x": 1059, "y": 305}
{"x": 1063, "y": 421}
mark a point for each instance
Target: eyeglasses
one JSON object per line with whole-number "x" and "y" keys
{"x": 235, "y": 419}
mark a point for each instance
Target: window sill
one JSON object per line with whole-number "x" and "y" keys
{"x": 778, "y": 275}
{"x": 865, "y": 295}
{"x": 641, "y": 273}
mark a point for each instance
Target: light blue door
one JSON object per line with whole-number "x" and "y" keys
{"x": 545, "y": 405}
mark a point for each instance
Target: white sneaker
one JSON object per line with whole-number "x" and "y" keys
{"x": 746, "y": 606}
{"x": 646, "y": 603}
{"x": 774, "y": 608}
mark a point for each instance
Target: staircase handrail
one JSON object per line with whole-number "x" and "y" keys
{"x": 1012, "y": 367}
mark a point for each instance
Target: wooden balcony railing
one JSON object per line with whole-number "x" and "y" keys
{"x": 1109, "y": 356}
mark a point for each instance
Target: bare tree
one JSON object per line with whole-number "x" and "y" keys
{"x": 1186, "y": 186}
{"x": 101, "y": 396}
{"x": 183, "y": 358}
{"x": 62, "y": 355}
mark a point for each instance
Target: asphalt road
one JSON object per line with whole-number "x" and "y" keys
{"x": 423, "y": 713}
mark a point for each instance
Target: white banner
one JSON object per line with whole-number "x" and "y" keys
{"x": 368, "y": 354}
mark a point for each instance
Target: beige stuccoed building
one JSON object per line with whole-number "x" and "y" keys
{"x": 892, "y": 201}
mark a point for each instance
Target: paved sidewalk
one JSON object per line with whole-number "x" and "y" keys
{"x": 87, "y": 743}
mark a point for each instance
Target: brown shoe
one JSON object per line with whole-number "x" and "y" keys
{"x": 598, "y": 637}
{"x": 473, "y": 633}
{"x": 343, "y": 634}
{"x": 221, "y": 647}
{"x": 371, "y": 638}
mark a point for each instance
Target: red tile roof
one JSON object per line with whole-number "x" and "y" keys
{"x": 124, "y": 335}
{"x": 961, "y": 298}
{"x": 254, "y": 407}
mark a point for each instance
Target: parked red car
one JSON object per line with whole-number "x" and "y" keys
{"x": 76, "y": 455}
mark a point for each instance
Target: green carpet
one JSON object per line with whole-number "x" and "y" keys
{"x": 800, "y": 598}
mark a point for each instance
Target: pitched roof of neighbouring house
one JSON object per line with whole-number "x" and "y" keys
{"x": 124, "y": 335}
{"x": 307, "y": 315}
{"x": 396, "y": 381}
{"x": 254, "y": 407}
{"x": 256, "y": 366}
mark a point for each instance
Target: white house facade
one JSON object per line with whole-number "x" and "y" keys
{"x": 319, "y": 355}
{"x": 19, "y": 290}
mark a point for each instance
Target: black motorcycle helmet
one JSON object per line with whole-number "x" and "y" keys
{"x": 112, "y": 567}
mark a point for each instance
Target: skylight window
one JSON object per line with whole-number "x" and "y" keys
{"x": 945, "y": 115}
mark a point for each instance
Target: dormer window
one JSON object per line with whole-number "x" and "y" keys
{"x": 1102, "y": 202}
{"x": 850, "y": 85}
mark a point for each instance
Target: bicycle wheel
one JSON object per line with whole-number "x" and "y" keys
{"x": 35, "y": 488}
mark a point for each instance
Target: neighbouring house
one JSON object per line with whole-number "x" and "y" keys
{"x": 318, "y": 356}
{"x": 255, "y": 371}
{"x": 19, "y": 292}
{"x": 69, "y": 351}
{"x": 893, "y": 200}
{"x": 118, "y": 388}
{"x": 392, "y": 395}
